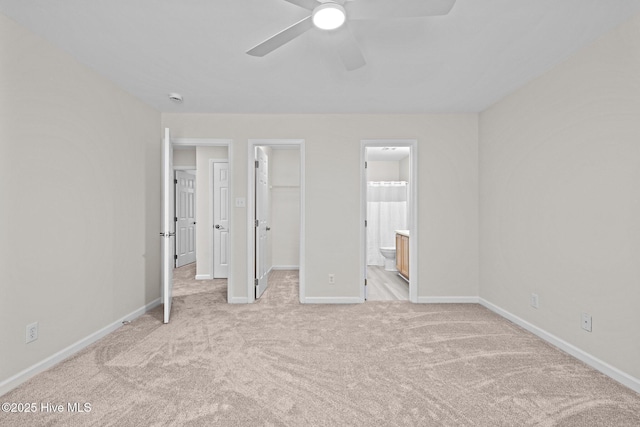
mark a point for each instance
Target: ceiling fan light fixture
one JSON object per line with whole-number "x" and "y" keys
{"x": 329, "y": 16}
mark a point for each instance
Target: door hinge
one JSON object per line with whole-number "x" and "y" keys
{"x": 175, "y": 257}
{"x": 175, "y": 219}
{"x": 365, "y": 282}
{"x": 365, "y": 165}
{"x": 255, "y": 282}
{"x": 257, "y": 164}
{"x": 257, "y": 223}
{"x": 175, "y": 181}
{"x": 365, "y": 222}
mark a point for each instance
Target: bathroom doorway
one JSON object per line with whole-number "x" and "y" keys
{"x": 389, "y": 211}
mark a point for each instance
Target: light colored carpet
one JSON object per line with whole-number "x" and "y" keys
{"x": 279, "y": 363}
{"x": 184, "y": 283}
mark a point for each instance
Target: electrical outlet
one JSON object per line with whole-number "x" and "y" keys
{"x": 32, "y": 332}
{"x": 534, "y": 300}
{"x": 586, "y": 322}
{"x": 332, "y": 279}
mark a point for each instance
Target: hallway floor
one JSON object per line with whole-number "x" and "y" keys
{"x": 185, "y": 283}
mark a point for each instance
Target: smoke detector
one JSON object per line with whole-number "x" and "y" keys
{"x": 175, "y": 97}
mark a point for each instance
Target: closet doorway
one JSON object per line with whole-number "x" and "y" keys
{"x": 275, "y": 211}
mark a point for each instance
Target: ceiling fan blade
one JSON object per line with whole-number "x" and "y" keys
{"x": 306, "y": 4}
{"x": 385, "y": 9}
{"x": 349, "y": 51}
{"x": 281, "y": 38}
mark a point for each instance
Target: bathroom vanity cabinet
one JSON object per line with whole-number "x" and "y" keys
{"x": 402, "y": 254}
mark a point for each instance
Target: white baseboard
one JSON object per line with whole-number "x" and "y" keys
{"x": 610, "y": 371}
{"x": 204, "y": 276}
{"x": 332, "y": 300}
{"x": 19, "y": 378}
{"x": 285, "y": 267}
{"x": 421, "y": 300}
{"x": 238, "y": 300}
{"x": 448, "y": 300}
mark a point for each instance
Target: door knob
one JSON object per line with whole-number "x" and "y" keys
{"x": 268, "y": 228}
{"x": 217, "y": 226}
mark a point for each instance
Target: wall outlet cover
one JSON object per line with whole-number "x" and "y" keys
{"x": 32, "y": 332}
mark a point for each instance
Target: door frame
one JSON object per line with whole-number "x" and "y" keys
{"x": 251, "y": 213}
{"x": 412, "y": 211}
{"x": 216, "y": 142}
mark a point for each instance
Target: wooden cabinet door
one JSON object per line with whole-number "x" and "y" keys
{"x": 405, "y": 256}
{"x": 399, "y": 252}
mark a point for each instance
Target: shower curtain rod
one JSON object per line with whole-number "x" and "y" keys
{"x": 387, "y": 182}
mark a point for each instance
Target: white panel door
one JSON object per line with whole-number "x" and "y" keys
{"x": 366, "y": 221}
{"x": 168, "y": 233}
{"x": 185, "y": 218}
{"x": 262, "y": 220}
{"x": 221, "y": 214}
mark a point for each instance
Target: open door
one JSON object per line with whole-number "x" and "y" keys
{"x": 185, "y": 206}
{"x": 168, "y": 232}
{"x": 262, "y": 220}
{"x": 221, "y": 220}
{"x": 365, "y": 178}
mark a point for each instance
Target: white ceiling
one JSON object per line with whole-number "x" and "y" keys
{"x": 462, "y": 62}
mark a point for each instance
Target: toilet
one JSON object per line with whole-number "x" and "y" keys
{"x": 389, "y": 254}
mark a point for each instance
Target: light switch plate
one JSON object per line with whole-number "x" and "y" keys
{"x": 586, "y": 322}
{"x": 535, "y": 301}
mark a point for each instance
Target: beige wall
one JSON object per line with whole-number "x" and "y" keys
{"x": 204, "y": 218}
{"x": 285, "y": 207}
{"x": 184, "y": 157}
{"x": 560, "y": 199}
{"x": 448, "y": 175}
{"x": 79, "y": 178}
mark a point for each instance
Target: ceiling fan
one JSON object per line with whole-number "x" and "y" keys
{"x": 332, "y": 15}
